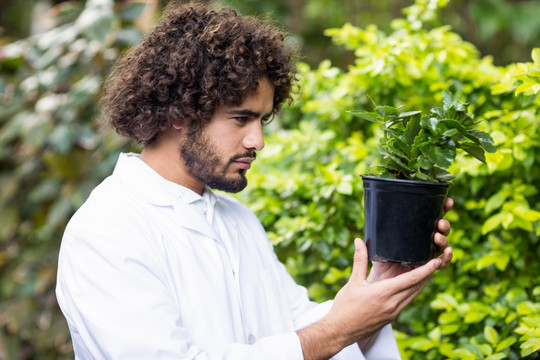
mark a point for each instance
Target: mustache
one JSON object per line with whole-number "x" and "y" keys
{"x": 247, "y": 154}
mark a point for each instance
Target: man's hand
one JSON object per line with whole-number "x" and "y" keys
{"x": 361, "y": 308}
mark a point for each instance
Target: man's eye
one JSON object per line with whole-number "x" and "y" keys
{"x": 242, "y": 119}
{"x": 266, "y": 120}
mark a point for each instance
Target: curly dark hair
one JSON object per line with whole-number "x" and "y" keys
{"x": 194, "y": 62}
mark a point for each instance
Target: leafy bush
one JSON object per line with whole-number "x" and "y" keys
{"x": 51, "y": 156}
{"x": 306, "y": 190}
{"x": 305, "y": 187}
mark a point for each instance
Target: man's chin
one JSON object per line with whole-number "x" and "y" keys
{"x": 230, "y": 185}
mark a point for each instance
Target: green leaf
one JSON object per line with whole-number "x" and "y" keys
{"x": 366, "y": 115}
{"x": 451, "y": 103}
{"x": 386, "y": 110}
{"x": 495, "y": 202}
{"x": 491, "y": 335}
{"x": 501, "y": 262}
{"x": 454, "y": 124}
{"x": 485, "y": 349}
{"x": 444, "y": 301}
{"x": 59, "y": 211}
{"x": 496, "y": 356}
{"x": 418, "y": 175}
{"x": 449, "y": 317}
{"x": 8, "y": 223}
{"x": 424, "y": 162}
{"x": 529, "y": 308}
{"x": 422, "y": 345}
{"x": 530, "y": 346}
{"x": 96, "y": 21}
{"x": 448, "y": 99}
{"x": 442, "y": 175}
{"x": 395, "y": 159}
{"x": 128, "y": 37}
{"x": 435, "y": 334}
{"x": 402, "y": 147}
{"x": 493, "y": 222}
{"x": 450, "y": 132}
{"x": 408, "y": 114}
{"x": 344, "y": 187}
{"x": 430, "y": 123}
{"x": 530, "y": 215}
{"x": 473, "y": 317}
{"x": 10, "y": 65}
{"x": 450, "y": 328}
{"x": 536, "y": 56}
{"x": 62, "y": 138}
{"x": 131, "y": 11}
{"x": 465, "y": 354}
{"x": 507, "y": 342}
{"x": 528, "y": 89}
{"x": 474, "y": 150}
{"x": 439, "y": 112}
{"x": 485, "y": 139}
{"x": 441, "y": 157}
{"x": 412, "y": 129}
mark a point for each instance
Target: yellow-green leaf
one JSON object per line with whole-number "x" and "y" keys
{"x": 491, "y": 335}
{"x": 506, "y": 343}
{"x": 536, "y": 55}
{"x": 493, "y": 222}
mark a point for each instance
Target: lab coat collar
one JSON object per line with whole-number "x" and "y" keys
{"x": 143, "y": 181}
{"x": 146, "y": 184}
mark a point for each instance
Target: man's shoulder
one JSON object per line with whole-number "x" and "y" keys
{"x": 109, "y": 202}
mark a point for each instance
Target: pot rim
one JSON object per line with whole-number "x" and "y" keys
{"x": 405, "y": 181}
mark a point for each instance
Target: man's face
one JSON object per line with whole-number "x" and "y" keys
{"x": 222, "y": 152}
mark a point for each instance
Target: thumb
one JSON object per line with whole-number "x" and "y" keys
{"x": 360, "y": 261}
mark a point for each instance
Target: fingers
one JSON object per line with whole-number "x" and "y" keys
{"x": 444, "y": 226}
{"x": 414, "y": 278}
{"x": 406, "y": 287}
{"x": 441, "y": 241}
{"x": 448, "y": 204}
{"x": 413, "y": 294}
{"x": 360, "y": 261}
{"x": 446, "y": 257}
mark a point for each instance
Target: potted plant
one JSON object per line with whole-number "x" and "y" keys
{"x": 404, "y": 194}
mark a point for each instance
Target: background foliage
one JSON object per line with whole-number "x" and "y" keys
{"x": 51, "y": 156}
{"x": 505, "y": 29}
{"x": 305, "y": 187}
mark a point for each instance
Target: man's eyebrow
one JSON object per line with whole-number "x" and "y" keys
{"x": 246, "y": 112}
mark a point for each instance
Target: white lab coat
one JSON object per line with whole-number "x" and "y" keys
{"x": 143, "y": 275}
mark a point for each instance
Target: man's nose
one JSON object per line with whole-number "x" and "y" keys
{"x": 254, "y": 137}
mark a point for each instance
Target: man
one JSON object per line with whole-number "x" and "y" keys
{"x": 157, "y": 266}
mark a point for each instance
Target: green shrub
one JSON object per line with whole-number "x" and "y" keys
{"x": 306, "y": 190}
{"x": 305, "y": 185}
{"x": 52, "y": 155}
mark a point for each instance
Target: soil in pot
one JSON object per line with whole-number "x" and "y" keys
{"x": 401, "y": 218}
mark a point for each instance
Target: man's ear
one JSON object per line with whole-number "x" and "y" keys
{"x": 178, "y": 125}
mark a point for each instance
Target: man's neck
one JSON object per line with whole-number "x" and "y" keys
{"x": 165, "y": 159}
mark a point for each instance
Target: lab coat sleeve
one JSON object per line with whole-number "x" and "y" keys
{"x": 116, "y": 300}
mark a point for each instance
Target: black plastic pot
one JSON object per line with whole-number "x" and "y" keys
{"x": 401, "y": 218}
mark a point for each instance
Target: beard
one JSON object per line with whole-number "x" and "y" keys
{"x": 203, "y": 162}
